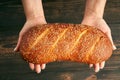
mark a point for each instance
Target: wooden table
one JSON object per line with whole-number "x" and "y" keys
{"x": 13, "y": 67}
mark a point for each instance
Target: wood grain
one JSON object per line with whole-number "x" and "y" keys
{"x": 12, "y": 18}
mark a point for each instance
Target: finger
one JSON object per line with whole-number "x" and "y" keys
{"x": 20, "y": 37}
{"x": 110, "y": 37}
{"x": 90, "y": 65}
{"x": 102, "y": 64}
{"x": 96, "y": 67}
{"x": 37, "y": 68}
{"x": 18, "y": 43}
{"x": 43, "y": 66}
{"x": 31, "y": 65}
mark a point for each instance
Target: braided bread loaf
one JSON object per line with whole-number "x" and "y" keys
{"x": 65, "y": 42}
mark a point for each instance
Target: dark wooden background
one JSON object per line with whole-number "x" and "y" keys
{"x": 13, "y": 67}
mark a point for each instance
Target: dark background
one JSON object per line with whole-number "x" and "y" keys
{"x": 12, "y": 18}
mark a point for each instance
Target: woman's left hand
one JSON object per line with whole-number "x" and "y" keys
{"x": 102, "y": 25}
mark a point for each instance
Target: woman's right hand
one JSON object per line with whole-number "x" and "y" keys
{"x": 28, "y": 24}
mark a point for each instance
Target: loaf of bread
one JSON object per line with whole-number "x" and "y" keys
{"x": 65, "y": 42}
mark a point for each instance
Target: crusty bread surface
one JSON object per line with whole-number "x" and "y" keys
{"x": 65, "y": 42}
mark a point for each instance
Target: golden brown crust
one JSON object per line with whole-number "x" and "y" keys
{"x": 62, "y": 42}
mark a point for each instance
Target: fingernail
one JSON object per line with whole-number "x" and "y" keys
{"x": 32, "y": 69}
{"x": 97, "y": 70}
{"x": 14, "y": 50}
{"x": 43, "y": 67}
{"x": 38, "y": 72}
{"x": 101, "y": 67}
{"x": 90, "y": 66}
{"x": 114, "y": 47}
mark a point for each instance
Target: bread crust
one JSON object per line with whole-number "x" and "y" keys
{"x": 65, "y": 42}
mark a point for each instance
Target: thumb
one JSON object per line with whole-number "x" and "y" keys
{"x": 110, "y": 37}
{"x": 18, "y": 43}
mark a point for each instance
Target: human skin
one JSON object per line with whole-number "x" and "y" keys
{"x": 35, "y": 15}
{"x": 93, "y": 16}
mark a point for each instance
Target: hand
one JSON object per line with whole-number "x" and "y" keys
{"x": 31, "y": 23}
{"x": 102, "y": 25}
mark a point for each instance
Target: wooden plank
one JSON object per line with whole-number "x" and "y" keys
{"x": 13, "y": 67}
